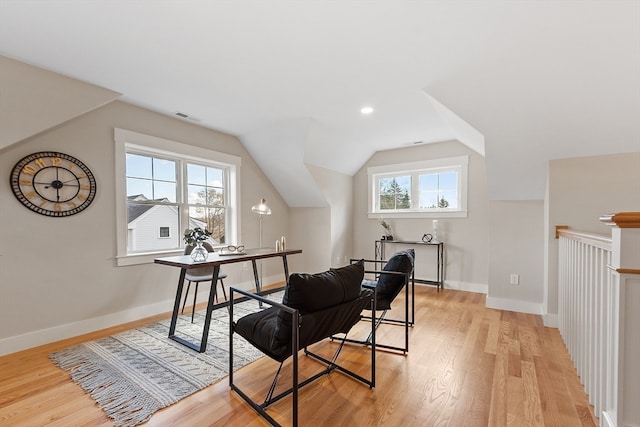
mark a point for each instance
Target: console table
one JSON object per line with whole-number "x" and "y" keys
{"x": 439, "y": 246}
{"x": 215, "y": 260}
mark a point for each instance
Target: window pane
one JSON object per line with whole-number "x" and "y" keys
{"x": 144, "y": 220}
{"x": 428, "y": 199}
{"x": 395, "y": 193}
{"x": 164, "y": 170}
{"x": 214, "y": 177}
{"x": 197, "y": 195}
{"x": 439, "y": 190}
{"x": 215, "y": 196}
{"x": 165, "y": 191}
{"x": 139, "y": 166}
{"x": 448, "y": 181}
{"x": 428, "y": 191}
{"x": 164, "y": 231}
{"x": 429, "y": 182}
{"x": 213, "y": 219}
{"x": 196, "y": 174}
{"x": 448, "y": 199}
{"x": 142, "y": 187}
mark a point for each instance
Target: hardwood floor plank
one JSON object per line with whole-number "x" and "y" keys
{"x": 531, "y": 395}
{"x": 467, "y": 366}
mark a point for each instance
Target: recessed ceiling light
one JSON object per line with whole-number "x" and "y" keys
{"x": 366, "y": 110}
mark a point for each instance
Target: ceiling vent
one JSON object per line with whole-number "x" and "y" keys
{"x": 187, "y": 116}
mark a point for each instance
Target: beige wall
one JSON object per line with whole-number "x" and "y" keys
{"x": 338, "y": 190}
{"x": 516, "y": 242}
{"x": 310, "y": 230}
{"x": 324, "y": 234}
{"x": 58, "y": 276}
{"x": 580, "y": 190}
{"x": 466, "y": 239}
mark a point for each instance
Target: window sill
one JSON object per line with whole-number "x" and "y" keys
{"x": 409, "y": 215}
{"x": 145, "y": 258}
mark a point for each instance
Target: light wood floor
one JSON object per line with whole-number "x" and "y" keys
{"x": 467, "y": 366}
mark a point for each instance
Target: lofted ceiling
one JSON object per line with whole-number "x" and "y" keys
{"x": 521, "y": 82}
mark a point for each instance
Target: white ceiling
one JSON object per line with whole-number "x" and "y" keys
{"x": 522, "y": 81}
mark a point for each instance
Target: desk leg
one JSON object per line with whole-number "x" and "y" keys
{"x": 286, "y": 269}
{"x": 210, "y": 304}
{"x": 440, "y": 267}
{"x": 256, "y": 278}
{"x": 176, "y": 305}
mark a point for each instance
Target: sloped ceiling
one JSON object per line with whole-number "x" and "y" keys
{"x": 33, "y": 100}
{"x": 522, "y": 81}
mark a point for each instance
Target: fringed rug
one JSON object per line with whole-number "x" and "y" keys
{"x": 133, "y": 374}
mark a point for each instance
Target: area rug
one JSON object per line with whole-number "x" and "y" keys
{"x": 133, "y": 374}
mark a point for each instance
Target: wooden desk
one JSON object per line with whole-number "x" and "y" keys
{"x": 215, "y": 260}
{"x": 439, "y": 281}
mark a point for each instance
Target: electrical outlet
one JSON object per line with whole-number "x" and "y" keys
{"x": 515, "y": 279}
{"x": 245, "y": 266}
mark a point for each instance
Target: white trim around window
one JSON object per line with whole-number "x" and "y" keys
{"x": 126, "y": 140}
{"x": 458, "y": 164}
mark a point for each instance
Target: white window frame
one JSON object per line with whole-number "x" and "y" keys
{"x": 459, "y": 164}
{"x": 126, "y": 140}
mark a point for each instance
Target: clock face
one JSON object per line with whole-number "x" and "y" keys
{"x": 53, "y": 184}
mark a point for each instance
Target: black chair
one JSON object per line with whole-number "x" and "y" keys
{"x": 395, "y": 275}
{"x": 202, "y": 274}
{"x": 314, "y": 307}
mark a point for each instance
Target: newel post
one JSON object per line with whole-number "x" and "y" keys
{"x": 622, "y": 371}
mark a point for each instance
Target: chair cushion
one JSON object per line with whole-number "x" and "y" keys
{"x": 203, "y": 277}
{"x": 390, "y": 285}
{"x": 313, "y": 292}
{"x": 269, "y": 330}
{"x": 329, "y": 303}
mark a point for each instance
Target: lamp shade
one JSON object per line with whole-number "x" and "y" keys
{"x": 262, "y": 208}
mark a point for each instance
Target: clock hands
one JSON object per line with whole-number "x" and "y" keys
{"x": 57, "y": 183}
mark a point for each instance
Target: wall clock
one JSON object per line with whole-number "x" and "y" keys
{"x": 53, "y": 184}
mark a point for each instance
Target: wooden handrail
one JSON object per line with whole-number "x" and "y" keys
{"x": 598, "y": 240}
{"x": 622, "y": 219}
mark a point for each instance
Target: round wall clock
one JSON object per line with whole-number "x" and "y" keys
{"x": 53, "y": 184}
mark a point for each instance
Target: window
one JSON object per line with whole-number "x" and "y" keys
{"x": 164, "y": 232}
{"x": 164, "y": 185}
{"x": 432, "y": 188}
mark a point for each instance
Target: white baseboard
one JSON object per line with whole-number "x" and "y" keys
{"x": 514, "y": 305}
{"x": 606, "y": 420}
{"x": 465, "y": 286}
{"x": 550, "y": 320}
{"x": 69, "y": 330}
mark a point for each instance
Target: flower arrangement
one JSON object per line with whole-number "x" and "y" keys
{"x": 191, "y": 237}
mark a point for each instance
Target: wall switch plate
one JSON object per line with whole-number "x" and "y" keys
{"x": 515, "y": 279}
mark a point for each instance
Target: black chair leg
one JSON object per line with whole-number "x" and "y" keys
{"x": 186, "y": 294}
{"x": 224, "y": 292}
{"x": 193, "y": 309}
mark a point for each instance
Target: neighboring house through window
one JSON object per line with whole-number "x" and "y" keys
{"x": 430, "y": 188}
{"x": 165, "y": 186}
